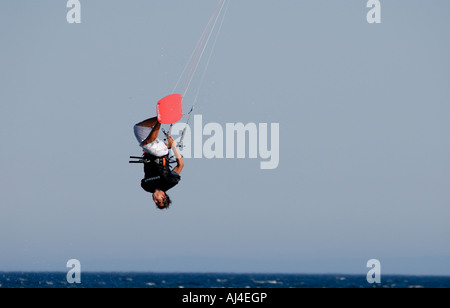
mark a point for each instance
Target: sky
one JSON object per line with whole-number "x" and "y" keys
{"x": 362, "y": 111}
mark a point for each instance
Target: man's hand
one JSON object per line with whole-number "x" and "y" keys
{"x": 170, "y": 142}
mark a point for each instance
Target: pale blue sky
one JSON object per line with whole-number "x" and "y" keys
{"x": 363, "y": 111}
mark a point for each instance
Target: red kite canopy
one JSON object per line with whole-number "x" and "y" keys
{"x": 170, "y": 109}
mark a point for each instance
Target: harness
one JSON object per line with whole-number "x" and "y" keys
{"x": 147, "y": 158}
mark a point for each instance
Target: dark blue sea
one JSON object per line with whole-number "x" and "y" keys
{"x": 214, "y": 280}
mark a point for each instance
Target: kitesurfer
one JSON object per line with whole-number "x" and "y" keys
{"x": 159, "y": 177}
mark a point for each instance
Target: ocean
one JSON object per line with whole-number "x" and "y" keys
{"x": 214, "y": 280}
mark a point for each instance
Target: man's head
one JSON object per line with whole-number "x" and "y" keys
{"x": 161, "y": 199}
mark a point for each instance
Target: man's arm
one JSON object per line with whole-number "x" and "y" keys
{"x": 180, "y": 164}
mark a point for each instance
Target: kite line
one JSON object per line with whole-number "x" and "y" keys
{"x": 195, "y": 59}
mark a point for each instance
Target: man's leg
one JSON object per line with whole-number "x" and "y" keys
{"x": 152, "y": 122}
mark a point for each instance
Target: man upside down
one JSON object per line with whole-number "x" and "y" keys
{"x": 159, "y": 177}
